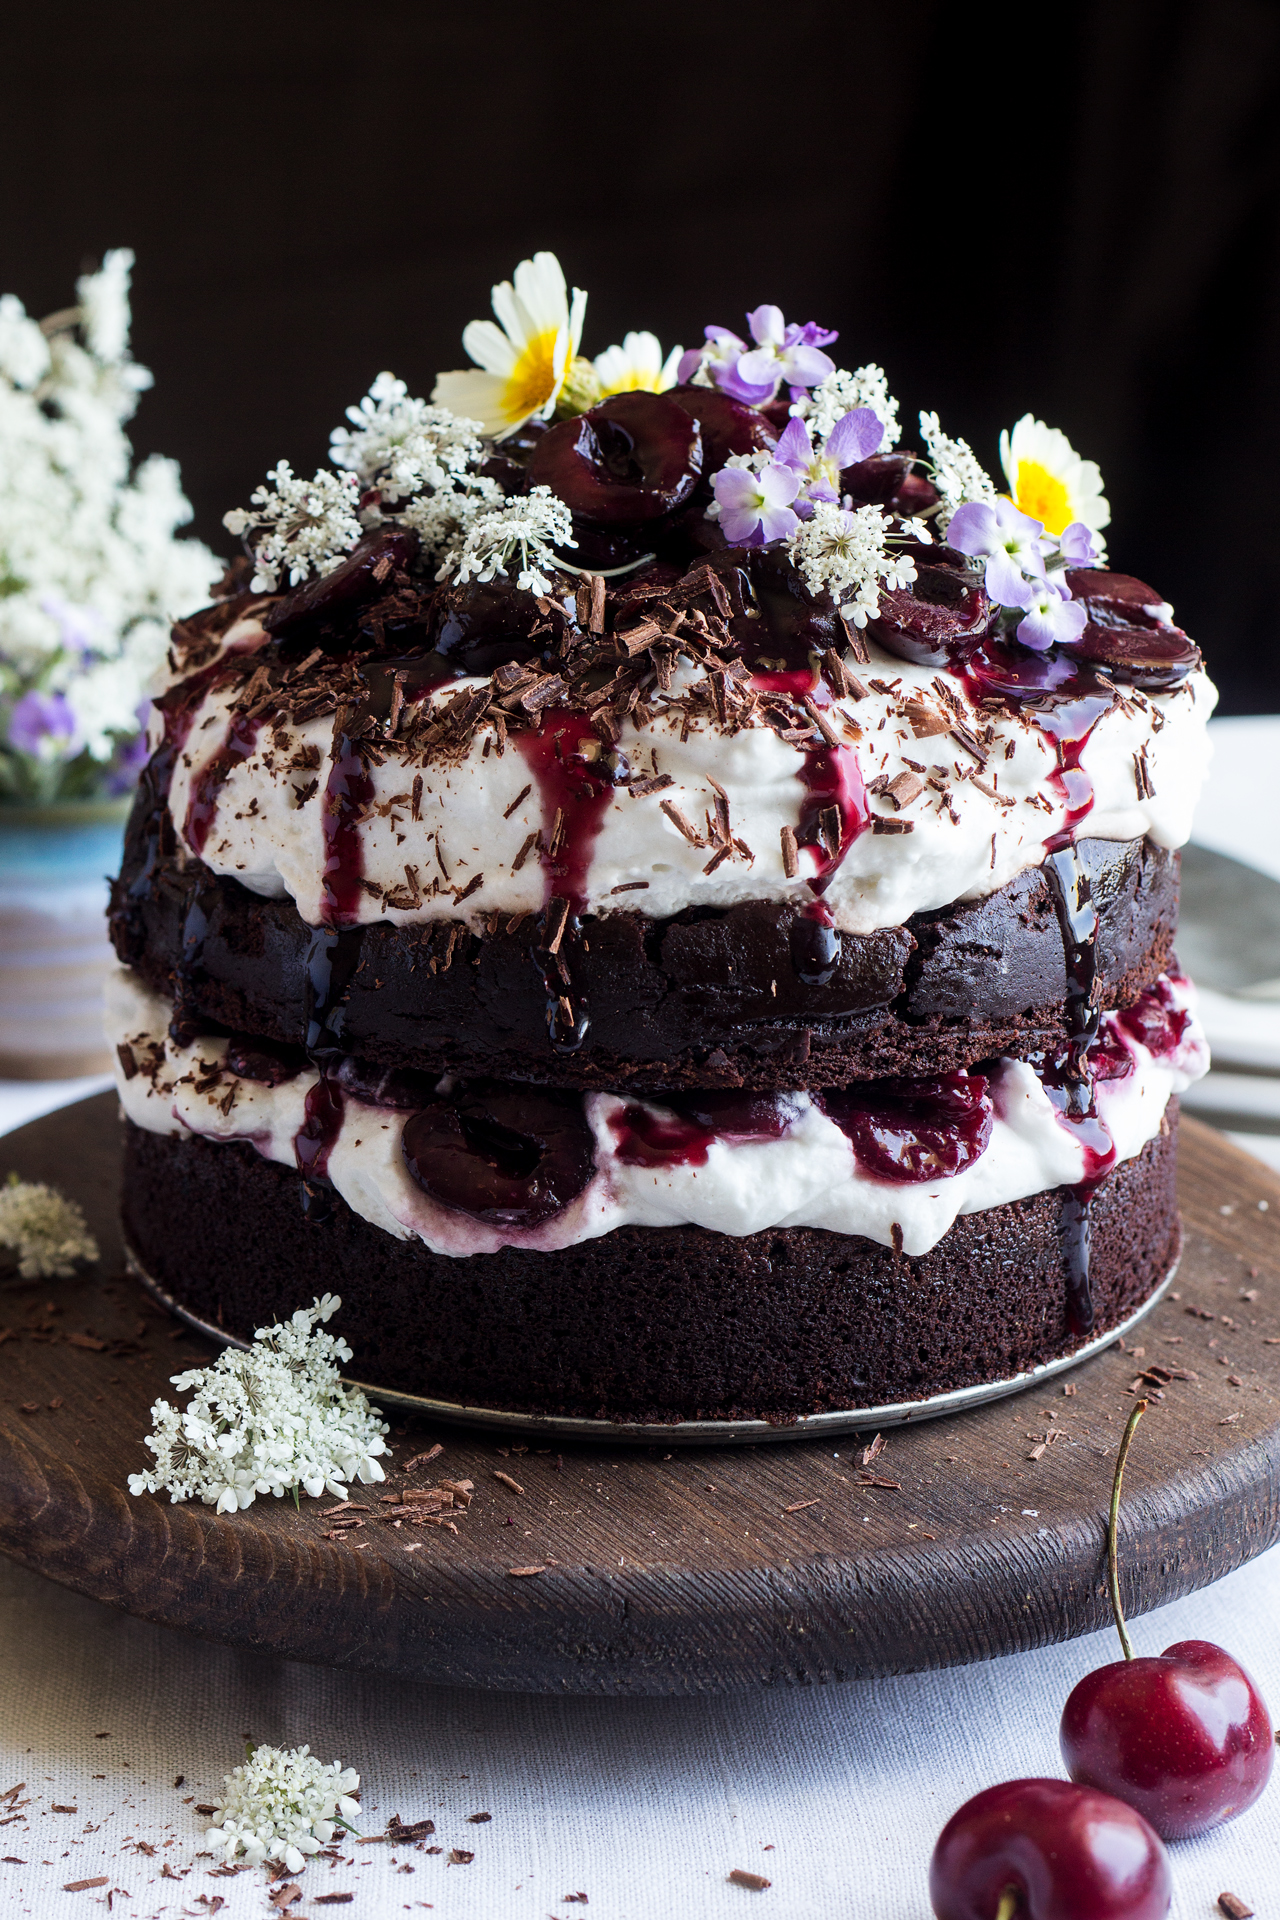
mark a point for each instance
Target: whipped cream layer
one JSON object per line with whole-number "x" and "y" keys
{"x": 810, "y": 1177}
{"x": 466, "y": 849}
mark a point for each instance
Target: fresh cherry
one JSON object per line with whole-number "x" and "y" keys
{"x": 1184, "y": 1737}
{"x": 942, "y": 612}
{"x": 512, "y": 1156}
{"x": 632, "y": 459}
{"x": 912, "y": 1130}
{"x": 728, "y": 426}
{"x": 367, "y": 574}
{"x": 1048, "y": 1850}
{"x": 1128, "y": 633}
{"x": 888, "y": 480}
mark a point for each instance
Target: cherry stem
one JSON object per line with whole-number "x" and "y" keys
{"x": 1008, "y": 1904}
{"x": 1113, "y": 1570}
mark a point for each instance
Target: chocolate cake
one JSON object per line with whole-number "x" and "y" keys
{"x": 663, "y": 898}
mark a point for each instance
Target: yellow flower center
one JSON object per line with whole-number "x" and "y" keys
{"x": 1042, "y": 495}
{"x": 532, "y": 380}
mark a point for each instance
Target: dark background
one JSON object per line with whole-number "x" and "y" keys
{"x": 1077, "y": 218}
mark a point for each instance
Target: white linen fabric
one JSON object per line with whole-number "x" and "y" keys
{"x": 643, "y": 1805}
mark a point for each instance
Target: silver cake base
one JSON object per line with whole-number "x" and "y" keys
{"x": 702, "y": 1433}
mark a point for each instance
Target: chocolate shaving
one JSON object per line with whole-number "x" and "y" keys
{"x": 557, "y": 920}
{"x": 683, "y": 825}
{"x": 882, "y": 823}
{"x": 790, "y": 852}
{"x": 649, "y": 783}
{"x": 531, "y": 841}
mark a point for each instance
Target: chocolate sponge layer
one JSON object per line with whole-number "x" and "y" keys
{"x": 706, "y": 998}
{"x": 648, "y": 1323}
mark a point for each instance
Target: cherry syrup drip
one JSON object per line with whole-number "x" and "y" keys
{"x": 833, "y": 779}
{"x": 314, "y": 1142}
{"x": 1066, "y": 702}
{"x": 575, "y": 792}
{"x": 177, "y": 705}
{"x": 202, "y": 806}
{"x": 329, "y": 960}
{"x": 683, "y": 1136}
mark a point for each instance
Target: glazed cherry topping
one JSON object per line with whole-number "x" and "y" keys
{"x": 632, "y": 459}
{"x": 1155, "y": 1022}
{"x": 1184, "y": 1737}
{"x": 490, "y": 623}
{"x": 330, "y": 603}
{"x": 888, "y": 480}
{"x": 728, "y": 426}
{"x": 1129, "y": 634}
{"x": 401, "y": 1088}
{"x": 511, "y": 1156}
{"x": 907, "y": 1131}
{"x": 683, "y": 1135}
{"x": 942, "y": 614}
{"x": 1048, "y": 1850}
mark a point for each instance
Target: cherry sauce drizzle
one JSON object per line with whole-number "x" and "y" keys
{"x": 1065, "y": 701}
{"x": 206, "y": 788}
{"x": 574, "y": 793}
{"x": 682, "y": 1136}
{"x": 314, "y": 1142}
{"x": 832, "y": 778}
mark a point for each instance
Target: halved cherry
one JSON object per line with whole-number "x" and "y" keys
{"x": 793, "y": 623}
{"x": 402, "y": 1088}
{"x": 490, "y": 623}
{"x": 511, "y": 1156}
{"x": 727, "y": 425}
{"x": 631, "y": 459}
{"x": 940, "y": 613}
{"x": 888, "y": 480}
{"x": 912, "y": 1130}
{"x": 321, "y": 607}
{"x": 1128, "y": 635}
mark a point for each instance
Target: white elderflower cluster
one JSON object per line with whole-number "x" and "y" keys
{"x": 267, "y": 1421}
{"x": 955, "y": 470}
{"x": 527, "y": 525}
{"x": 841, "y": 392}
{"x": 282, "y": 1804}
{"x": 298, "y": 527}
{"x": 91, "y": 573}
{"x": 46, "y": 1231}
{"x": 846, "y": 554}
{"x": 401, "y": 445}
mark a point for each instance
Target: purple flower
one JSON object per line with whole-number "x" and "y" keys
{"x": 854, "y": 437}
{"x": 754, "y": 374}
{"x": 1009, "y": 542}
{"x": 756, "y": 507}
{"x": 1053, "y": 618}
{"x": 1078, "y": 546}
{"x": 43, "y": 724}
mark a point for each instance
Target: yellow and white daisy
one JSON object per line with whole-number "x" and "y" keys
{"x": 520, "y": 363}
{"x": 1049, "y": 481}
{"x": 637, "y": 366}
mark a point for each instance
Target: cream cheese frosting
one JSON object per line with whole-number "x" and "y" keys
{"x": 972, "y": 827}
{"x": 810, "y": 1177}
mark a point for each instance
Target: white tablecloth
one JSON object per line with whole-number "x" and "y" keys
{"x": 836, "y": 1794}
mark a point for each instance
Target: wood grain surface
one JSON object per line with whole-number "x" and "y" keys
{"x": 664, "y": 1572}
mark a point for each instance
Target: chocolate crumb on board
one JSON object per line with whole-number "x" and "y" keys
{"x": 523, "y": 1573}
{"x": 874, "y": 1450}
{"x": 573, "y": 1899}
{"x": 739, "y": 1877}
{"x": 1234, "y": 1906}
{"x": 332, "y": 1899}
{"x": 798, "y": 1506}
{"x": 478, "y": 1819}
{"x": 83, "y": 1886}
{"x": 459, "y": 1857}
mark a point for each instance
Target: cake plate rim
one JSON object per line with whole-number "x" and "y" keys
{"x": 703, "y": 1433}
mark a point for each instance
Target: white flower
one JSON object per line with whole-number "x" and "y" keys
{"x": 24, "y": 351}
{"x": 402, "y": 445}
{"x": 530, "y": 525}
{"x": 271, "y": 1420}
{"x": 1049, "y": 481}
{"x": 841, "y": 392}
{"x": 91, "y": 573}
{"x": 846, "y": 555}
{"x": 637, "y": 366}
{"x": 104, "y": 306}
{"x": 520, "y": 364}
{"x": 955, "y": 469}
{"x": 46, "y": 1231}
{"x": 282, "y": 1804}
{"x": 303, "y": 526}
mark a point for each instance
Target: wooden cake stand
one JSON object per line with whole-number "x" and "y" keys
{"x": 604, "y": 1569}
